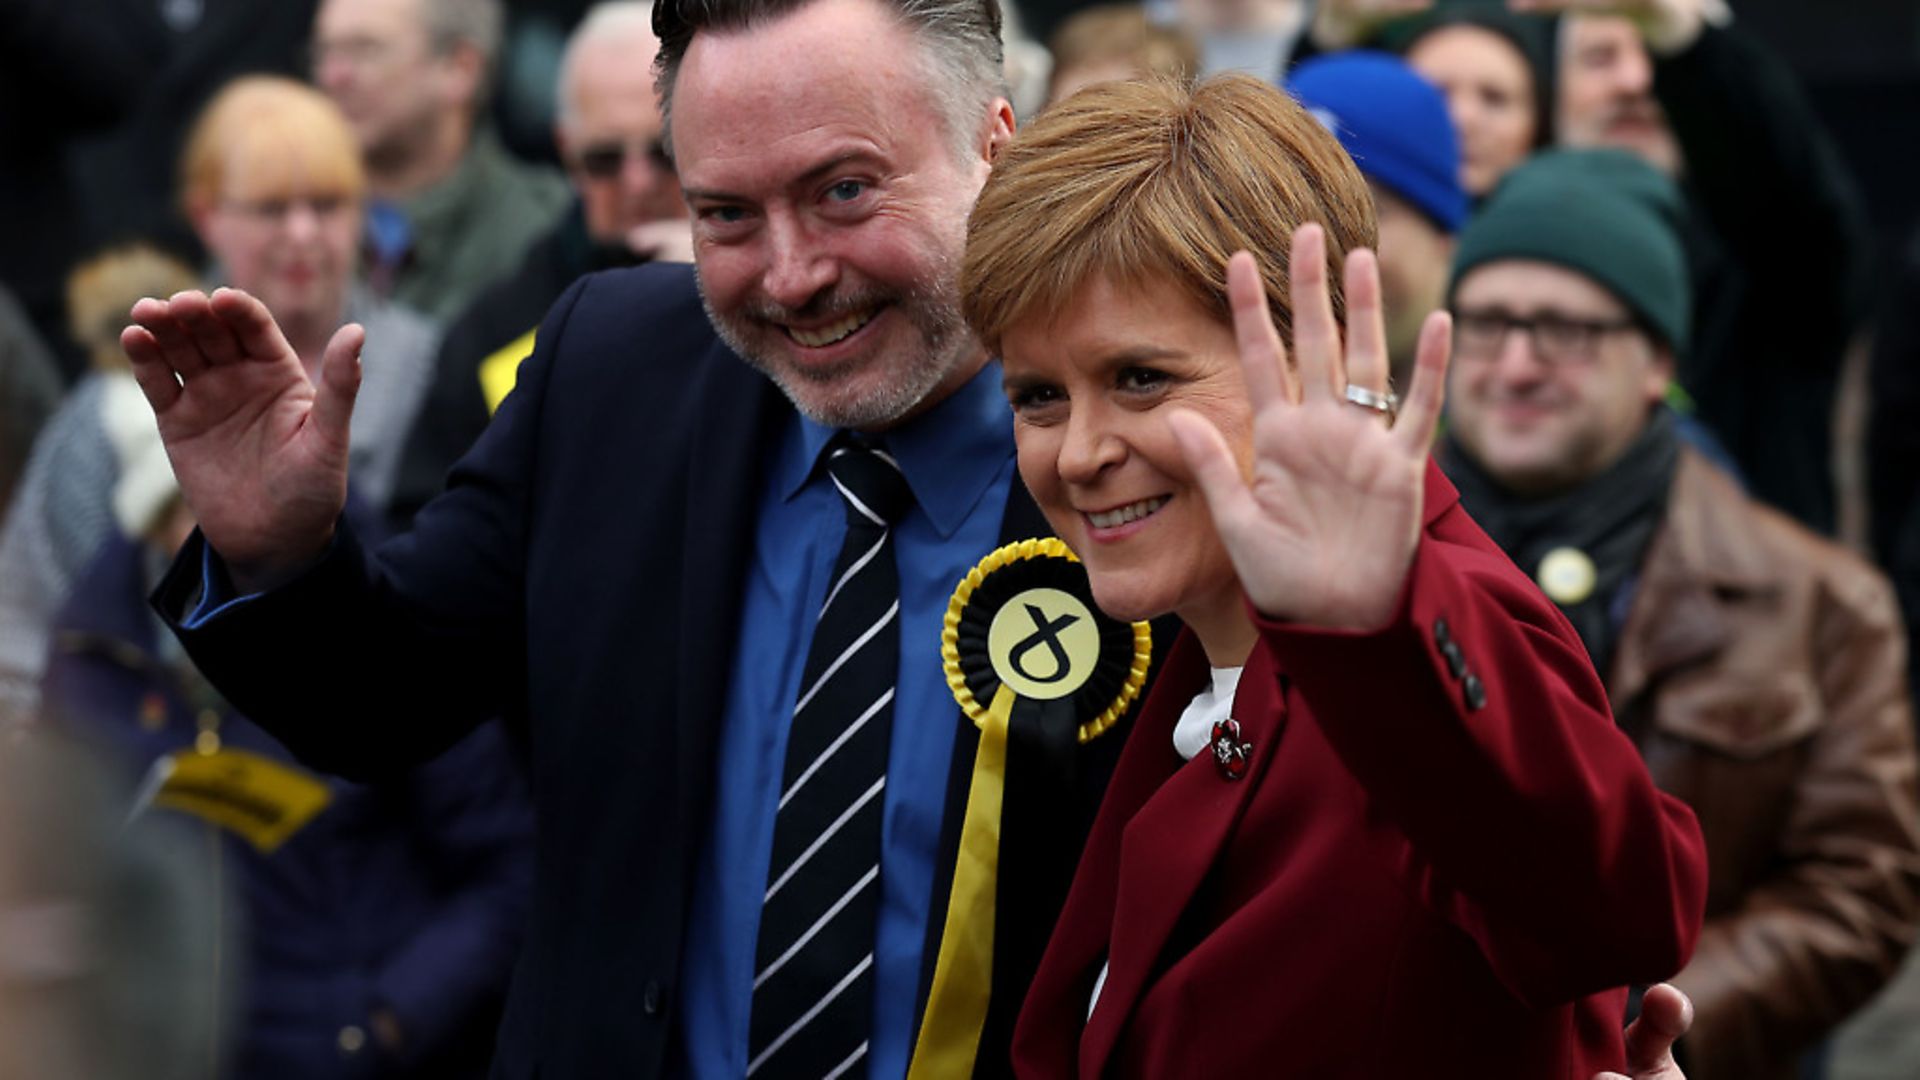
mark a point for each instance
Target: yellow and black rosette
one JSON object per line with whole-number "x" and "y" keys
{"x": 1025, "y": 645}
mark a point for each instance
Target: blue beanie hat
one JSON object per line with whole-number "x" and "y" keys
{"x": 1393, "y": 123}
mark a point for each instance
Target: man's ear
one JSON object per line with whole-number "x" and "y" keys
{"x": 1659, "y": 374}
{"x": 999, "y": 130}
{"x": 467, "y": 71}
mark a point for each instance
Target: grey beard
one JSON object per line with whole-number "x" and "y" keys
{"x": 943, "y": 336}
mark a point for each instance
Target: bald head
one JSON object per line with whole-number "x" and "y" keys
{"x": 608, "y": 124}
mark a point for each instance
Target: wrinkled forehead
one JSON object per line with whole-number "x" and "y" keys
{"x": 831, "y": 72}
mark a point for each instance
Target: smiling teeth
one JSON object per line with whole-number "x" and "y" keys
{"x": 1113, "y": 519}
{"x": 832, "y": 332}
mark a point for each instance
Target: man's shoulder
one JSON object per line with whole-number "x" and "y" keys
{"x": 641, "y": 333}
{"x": 655, "y": 307}
{"x": 1729, "y": 530}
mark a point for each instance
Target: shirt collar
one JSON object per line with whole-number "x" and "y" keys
{"x": 950, "y": 454}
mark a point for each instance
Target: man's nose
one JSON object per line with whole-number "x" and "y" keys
{"x": 1633, "y": 75}
{"x": 1519, "y": 359}
{"x": 798, "y": 268}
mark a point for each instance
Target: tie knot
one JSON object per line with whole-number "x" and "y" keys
{"x": 870, "y": 480}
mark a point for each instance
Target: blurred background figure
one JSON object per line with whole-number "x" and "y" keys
{"x": 1775, "y": 241}
{"x": 99, "y": 96}
{"x": 65, "y": 73}
{"x": 376, "y": 922}
{"x": 1259, "y": 37}
{"x": 1494, "y": 66}
{"x": 1117, "y": 41}
{"x": 272, "y": 183}
{"x": 63, "y": 507}
{"x": 1760, "y": 667}
{"x": 109, "y": 935}
{"x": 1028, "y": 64}
{"x": 626, "y": 210}
{"x": 30, "y": 389}
{"x": 1496, "y": 71}
{"x": 449, "y": 209}
{"x": 1394, "y": 125}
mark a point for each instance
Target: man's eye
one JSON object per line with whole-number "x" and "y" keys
{"x": 1141, "y": 379}
{"x": 846, "y": 191}
{"x": 723, "y": 215}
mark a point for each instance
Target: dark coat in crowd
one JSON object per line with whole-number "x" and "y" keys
{"x": 29, "y": 392}
{"x": 503, "y": 317}
{"x": 65, "y": 71}
{"x": 1760, "y": 668}
{"x": 1776, "y": 245}
{"x": 407, "y": 892}
{"x": 1893, "y": 442}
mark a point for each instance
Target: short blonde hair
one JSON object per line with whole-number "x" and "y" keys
{"x": 1155, "y": 184}
{"x": 283, "y": 135}
{"x": 103, "y": 287}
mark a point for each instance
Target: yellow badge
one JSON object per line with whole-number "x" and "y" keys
{"x": 1023, "y": 623}
{"x": 259, "y": 799}
{"x": 1023, "y": 644}
{"x": 1566, "y": 575}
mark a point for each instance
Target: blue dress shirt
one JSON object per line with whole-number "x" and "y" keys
{"x": 958, "y": 459}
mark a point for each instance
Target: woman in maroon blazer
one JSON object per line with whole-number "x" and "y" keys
{"x": 1375, "y": 815}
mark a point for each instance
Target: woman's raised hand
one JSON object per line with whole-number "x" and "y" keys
{"x": 1323, "y": 530}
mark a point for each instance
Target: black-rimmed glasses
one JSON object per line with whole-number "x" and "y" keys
{"x": 1557, "y": 339}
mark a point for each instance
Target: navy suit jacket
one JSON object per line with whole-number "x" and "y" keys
{"x": 581, "y": 575}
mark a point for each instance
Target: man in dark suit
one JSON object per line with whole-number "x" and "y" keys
{"x": 635, "y": 558}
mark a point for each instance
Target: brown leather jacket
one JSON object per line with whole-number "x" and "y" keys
{"x": 1762, "y": 671}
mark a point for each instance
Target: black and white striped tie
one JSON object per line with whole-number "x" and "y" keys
{"x": 813, "y": 966}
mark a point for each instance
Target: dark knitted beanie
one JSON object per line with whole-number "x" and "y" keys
{"x": 1603, "y": 213}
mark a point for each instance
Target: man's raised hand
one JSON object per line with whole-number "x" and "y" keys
{"x": 259, "y": 451}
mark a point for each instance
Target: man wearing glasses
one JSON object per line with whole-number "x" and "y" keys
{"x": 449, "y": 209}
{"x": 627, "y": 210}
{"x": 1758, "y": 666}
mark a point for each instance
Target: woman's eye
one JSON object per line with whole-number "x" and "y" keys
{"x": 1140, "y": 379}
{"x": 1033, "y": 397}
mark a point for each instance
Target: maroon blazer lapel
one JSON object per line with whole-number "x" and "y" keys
{"x": 1171, "y": 843}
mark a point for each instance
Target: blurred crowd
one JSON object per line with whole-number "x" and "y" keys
{"x": 439, "y": 171}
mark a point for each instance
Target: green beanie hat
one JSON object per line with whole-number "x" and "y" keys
{"x": 1603, "y": 213}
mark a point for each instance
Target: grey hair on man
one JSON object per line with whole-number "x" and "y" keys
{"x": 611, "y": 22}
{"x": 475, "y": 23}
{"x": 962, "y": 39}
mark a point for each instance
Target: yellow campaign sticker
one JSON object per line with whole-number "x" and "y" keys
{"x": 261, "y": 800}
{"x": 1044, "y": 644}
{"x": 1567, "y": 575}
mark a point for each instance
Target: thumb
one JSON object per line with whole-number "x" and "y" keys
{"x": 1665, "y": 1015}
{"x": 339, "y": 383}
{"x": 1213, "y": 467}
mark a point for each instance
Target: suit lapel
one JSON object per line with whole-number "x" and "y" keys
{"x": 1171, "y": 844}
{"x": 721, "y": 503}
